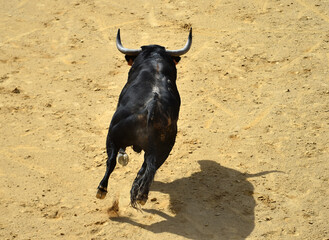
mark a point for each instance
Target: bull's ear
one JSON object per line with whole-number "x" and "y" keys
{"x": 176, "y": 59}
{"x": 130, "y": 59}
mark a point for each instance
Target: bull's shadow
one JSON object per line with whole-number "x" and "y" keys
{"x": 215, "y": 203}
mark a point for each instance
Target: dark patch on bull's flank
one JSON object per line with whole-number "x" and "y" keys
{"x": 146, "y": 115}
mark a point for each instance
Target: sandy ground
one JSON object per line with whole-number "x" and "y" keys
{"x": 251, "y": 155}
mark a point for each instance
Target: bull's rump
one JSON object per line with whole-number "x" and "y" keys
{"x": 154, "y": 123}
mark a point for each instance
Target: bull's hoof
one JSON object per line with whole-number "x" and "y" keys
{"x": 101, "y": 193}
{"x": 123, "y": 158}
{"x": 138, "y": 203}
{"x": 142, "y": 202}
{"x": 141, "y": 199}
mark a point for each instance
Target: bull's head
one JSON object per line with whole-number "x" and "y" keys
{"x": 131, "y": 54}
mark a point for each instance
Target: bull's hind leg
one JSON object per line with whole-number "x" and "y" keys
{"x": 142, "y": 182}
{"x": 141, "y": 186}
{"x": 112, "y": 153}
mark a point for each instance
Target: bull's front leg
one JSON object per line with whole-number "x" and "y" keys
{"x": 110, "y": 165}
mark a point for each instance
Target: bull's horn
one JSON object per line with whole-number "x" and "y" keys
{"x": 184, "y": 50}
{"x": 127, "y": 51}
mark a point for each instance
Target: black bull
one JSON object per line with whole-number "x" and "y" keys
{"x": 146, "y": 115}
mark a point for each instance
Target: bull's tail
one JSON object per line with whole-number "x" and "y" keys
{"x": 152, "y": 108}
